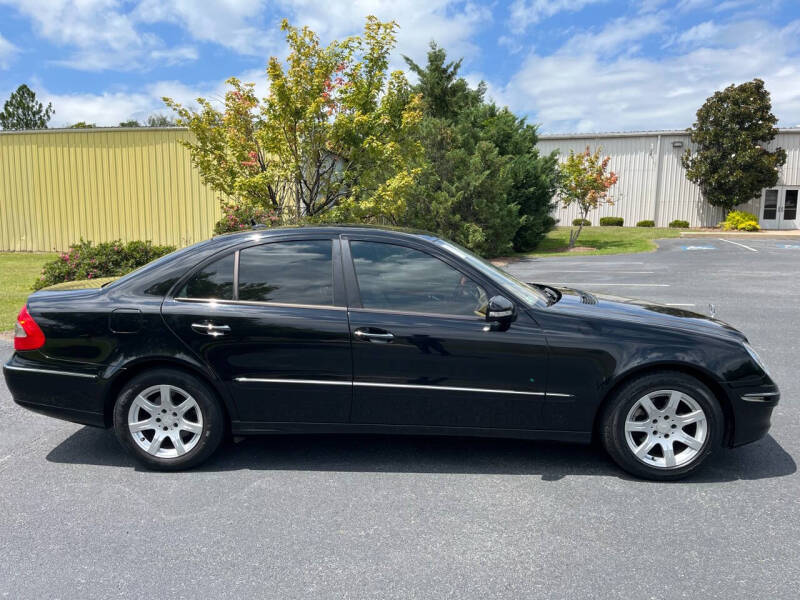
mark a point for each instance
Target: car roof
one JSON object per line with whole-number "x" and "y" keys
{"x": 327, "y": 229}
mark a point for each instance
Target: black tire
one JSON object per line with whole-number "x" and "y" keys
{"x": 209, "y": 435}
{"x": 613, "y": 434}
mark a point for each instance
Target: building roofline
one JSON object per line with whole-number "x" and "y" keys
{"x": 627, "y": 134}
{"x": 91, "y": 130}
{"x": 544, "y": 136}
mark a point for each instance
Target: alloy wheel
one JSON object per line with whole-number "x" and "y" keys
{"x": 666, "y": 429}
{"x": 165, "y": 421}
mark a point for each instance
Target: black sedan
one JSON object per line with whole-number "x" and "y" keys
{"x": 354, "y": 329}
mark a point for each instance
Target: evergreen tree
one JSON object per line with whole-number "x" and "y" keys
{"x": 23, "y": 111}
{"x": 486, "y": 186}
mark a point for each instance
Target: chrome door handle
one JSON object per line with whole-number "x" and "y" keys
{"x": 370, "y": 336}
{"x": 209, "y": 329}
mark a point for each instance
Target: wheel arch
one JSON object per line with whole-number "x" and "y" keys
{"x": 124, "y": 375}
{"x": 692, "y": 370}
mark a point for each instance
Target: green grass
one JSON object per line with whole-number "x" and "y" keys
{"x": 604, "y": 240}
{"x": 18, "y": 271}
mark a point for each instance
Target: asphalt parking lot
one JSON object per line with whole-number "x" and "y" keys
{"x": 382, "y": 517}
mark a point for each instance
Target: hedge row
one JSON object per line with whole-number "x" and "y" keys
{"x": 107, "y": 259}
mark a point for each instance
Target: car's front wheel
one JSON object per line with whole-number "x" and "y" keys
{"x": 168, "y": 419}
{"x": 662, "y": 426}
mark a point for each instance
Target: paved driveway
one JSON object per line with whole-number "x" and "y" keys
{"x": 382, "y": 517}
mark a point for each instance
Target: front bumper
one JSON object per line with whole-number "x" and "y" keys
{"x": 752, "y": 413}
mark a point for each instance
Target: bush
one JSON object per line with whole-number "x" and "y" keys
{"x": 611, "y": 221}
{"x": 679, "y": 224}
{"x": 646, "y": 223}
{"x": 736, "y": 218}
{"x": 236, "y": 217}
{"x": 107, "y": 259}
{"x": 748, "y": 226}
{"x": 579, "y": 222}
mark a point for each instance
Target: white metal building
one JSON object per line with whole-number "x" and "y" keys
{"x": 652, "y": 183}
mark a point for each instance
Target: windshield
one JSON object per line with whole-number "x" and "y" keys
{"x": 521, "y": 290}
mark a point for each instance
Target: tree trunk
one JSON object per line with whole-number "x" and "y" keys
{"x": 573, "y": 235}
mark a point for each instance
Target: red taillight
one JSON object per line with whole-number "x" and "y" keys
{"x": 27, "y": 334}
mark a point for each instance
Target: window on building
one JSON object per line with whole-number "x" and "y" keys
{"x": 790, "y": 205}
{"x": 770, "y": 205}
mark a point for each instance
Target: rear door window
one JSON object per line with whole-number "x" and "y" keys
{"x": 296, "y": 272}
{"x": 213, "y": 282}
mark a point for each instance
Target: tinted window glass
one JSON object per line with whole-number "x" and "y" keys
{"x": 215, "y": 280}
{"x": 289, "y": 272}
{"x": 398, "y": 278}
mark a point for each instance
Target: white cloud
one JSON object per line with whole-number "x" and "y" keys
{"x": 618, "y": 36}
{"x": 699, "y": 33}
{"x": 525, "y": 13}
{"x": 236, "y": 24}
{"x": 107, "y": 108}
{"x": 587, "y": 85}
{"x": 112, "y": 108}
{"x": 451, "y": 23}
{"x": 101, "y": 34}
{"x": 7, "y": 52}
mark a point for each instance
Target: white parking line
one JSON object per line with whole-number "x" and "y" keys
{"x": 595, "y": 271}
{"x": 738, "y": 244}
{"x": 600, "y": 284}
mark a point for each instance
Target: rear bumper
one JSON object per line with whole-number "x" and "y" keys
{"x": 752, "y": 413}
{"x": 69, "y": 395}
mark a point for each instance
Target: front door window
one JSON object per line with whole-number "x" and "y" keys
{"x": 397, "y": 278}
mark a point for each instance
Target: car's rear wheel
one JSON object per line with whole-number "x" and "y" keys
{"x": 168, "y": 419}
{"x": 662, "y": 426}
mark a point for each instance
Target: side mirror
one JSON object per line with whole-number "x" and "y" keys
{"x": 500, "y": 310}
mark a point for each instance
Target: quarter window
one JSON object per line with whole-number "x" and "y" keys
{"x": 299, "y": 272}
{"x": 402, "y": 279}
{"x": 214, "y": 281}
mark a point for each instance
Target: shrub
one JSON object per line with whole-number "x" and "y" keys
{"x": 108, "y": 259}
{"x": 236, "y": 217}
{"x": 579, "y": 222}
{"x": 748, "y": 226}
{"x": 646, "y": 223}
{"x": 679, "y": 224}
{"x": 738, "y": 217}
{"x": 611, "y": 221}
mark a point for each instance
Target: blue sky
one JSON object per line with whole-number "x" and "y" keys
{"x": 569, "y": 65}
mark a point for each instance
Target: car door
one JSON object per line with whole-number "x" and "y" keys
{"x": 423, "y": 353}
{"x": 270, "y": 320}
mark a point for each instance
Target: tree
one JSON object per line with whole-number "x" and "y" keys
{"x": 585, "y": 182}
{"x": 23, "y": 111}
{"x": 730, "y": 163}
{"x": 444, "y": 94}
{"x": 82, "y": 125}
{"x": 159, "y": 121}
{"x": 131, "y": 123}
{"x": 485, "y": 186}
{"x": 331, "y": 141}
